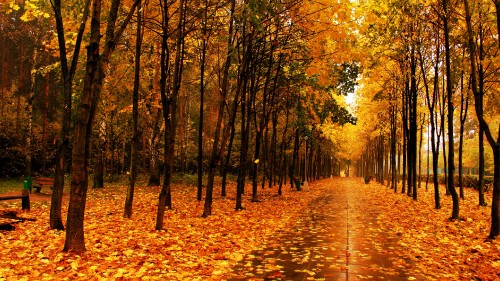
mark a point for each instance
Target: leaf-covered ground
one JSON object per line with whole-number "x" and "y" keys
{"x": 195, "y": 248}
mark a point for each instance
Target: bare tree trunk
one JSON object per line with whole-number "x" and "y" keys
{"x": 134, "y": 143}
{"x": 482, "y": 201}
{"x": 282, "y": 159}
{"x": 100, "y": 155}
{"x": 393, "y": 147}
{"x": 67, "y": 74}
{"x": 29, "y": 109}
{"x": 216, "y": 154}
{"x": 464, "y": 104}
{"x": 428, "y": 160}
{"x": 443, "y": 134}
{"x": 170, "y": 111}
{"x": 44, "y": 125}
{"x": 420, "y": 153}
{"x": 295, "y": 161}
{"x": 225, "y": 167}
{"x": 497, "y": 9}
{"x": 154, "y": 140}
{"x": 79, "y": 176}
{"x": 94, "y": 77}
{"x": 202, "y": 100}
{"x": 495, "y": 145}
{"x": 449, "y": 92}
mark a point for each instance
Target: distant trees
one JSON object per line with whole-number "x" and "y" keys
{"x": 424, "y": 64}
{"x": 479, "y": 93}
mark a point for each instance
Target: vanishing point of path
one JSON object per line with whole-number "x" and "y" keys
{"x": 337, "y": 237}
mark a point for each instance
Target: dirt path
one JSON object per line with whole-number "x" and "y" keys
{"x": 34, "y": 197}
{"x": 336, "y": 238}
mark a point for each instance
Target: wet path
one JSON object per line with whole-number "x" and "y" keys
{"x": 336, "y": 238}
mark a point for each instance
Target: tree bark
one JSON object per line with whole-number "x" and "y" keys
{"x": 100, "y": 157}
{"x": 464, "y": 105}
{"x": 495, "y": 145}
{"x": 170, "y": 111}
{"x": 92, "y": 85}
{"x": 154, "y": 165}
{"x": 449, "y": 93}
{"x": 216, "y": 154}
{"x": 79, "y": 176}
{"x": 203, "y": 55}
{"x": 134, "y": 143}
{"x": 242, "y": 87}
{"x": 282, "y": 159}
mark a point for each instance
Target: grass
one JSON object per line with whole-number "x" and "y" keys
{"x": 10, "y": 185}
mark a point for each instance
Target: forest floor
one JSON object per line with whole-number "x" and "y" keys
{"x": 409, "y": 239}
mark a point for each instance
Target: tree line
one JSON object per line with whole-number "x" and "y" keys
{"x": 433, "y": 76}
{"x": 97, "y": 89}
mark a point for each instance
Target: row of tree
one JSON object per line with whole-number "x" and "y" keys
{"x": 248, "y": 85}
{"x": 431, "y": 62}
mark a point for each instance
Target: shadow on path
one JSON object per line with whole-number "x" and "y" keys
{"x": 337, "y": 237}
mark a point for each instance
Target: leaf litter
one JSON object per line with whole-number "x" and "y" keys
{"x": 195, "y": 248}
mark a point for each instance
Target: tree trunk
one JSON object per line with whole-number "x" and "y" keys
{"x": 29, "y": 110}
{"x": 228, "y": 159}
{"x": 404, "y": 152}
{"x": 44, "y": 124}
{"x": 67, "y": 74}
{"x": 436, "y": 134}
{"x": 443, "y": 133}
{"x": 482, "y": 201}
{"x": 282, "y": 159}
{"x": 273, "y": 152}
{"x": 495, "y": 145}
{"x": 294, "y": 159}
{"x": 497, "y": 10}
{"x": 419, "y": 178}
{"x": 449, "y": 92}
{"x": 170, "y": 109}
{"x": 255, "y": 165}
{"x": 100, "y": 155}
{"x": 495, "y": 201}
{"x": 79, "y": 173}
{"x": 479, "y": 100}
{"x": 428, "y": 159}
{"x": 202, "y": 100}
{"x": 245, "y": 122}
{"x": 154, "y": 164}
{"x": 134, "y": 143}
{"x": 94, "y": 76}
{"x": 216, "y": 154}
{"x": 464, "y": 104}
{"x": 394, "y": 184}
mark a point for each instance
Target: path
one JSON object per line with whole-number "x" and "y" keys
{"x": 336, "y": 238}
{"x": 34, "y": 196}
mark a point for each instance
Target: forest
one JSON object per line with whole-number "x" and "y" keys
{"x": 240, "y": 96}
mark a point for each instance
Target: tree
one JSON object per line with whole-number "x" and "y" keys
{"x": 95, "y": 72}
{"x": 431, "y": 102}
{"x": 67, "y": 74}
{"x": 203, "y": 54}
{"x": 169, "y": 104}
{"x": 449, "y": 93}
{"x": 216, "y": 152}
{"x": 135, "y": 116}
{"x": 495, "y": 144}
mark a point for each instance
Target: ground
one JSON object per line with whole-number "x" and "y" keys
{"x": 341, "y": 228}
